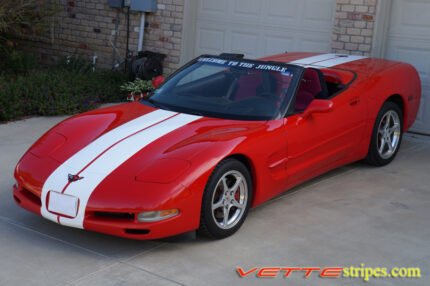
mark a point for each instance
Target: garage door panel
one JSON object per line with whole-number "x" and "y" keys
{"x": 318, "y": 12}
{"x": 274, "y": 44}
{"x": 409, "y": 41}
{"x": 210, "y": 6}
{"x": 210, "y": 40}
{"x": 281, "y": 10}
{"x": 411, "y": 16}
{"x": 247, "y": 7}
{"x": 246, "y": 43}
{"x": 313, "y": 45}
{"x": 421, "y": 124}
{"x": 261, "y": 27}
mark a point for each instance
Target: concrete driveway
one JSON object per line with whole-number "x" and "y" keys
{"x": 354, "y": 215}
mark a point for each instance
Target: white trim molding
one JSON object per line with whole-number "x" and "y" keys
{"x": 189, "y": 31}
{"x": 382, "y": 27}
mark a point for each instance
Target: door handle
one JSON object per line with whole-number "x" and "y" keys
{"x": 354, "y": 101}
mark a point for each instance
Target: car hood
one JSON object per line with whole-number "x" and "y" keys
{"x": 139, "y": 141}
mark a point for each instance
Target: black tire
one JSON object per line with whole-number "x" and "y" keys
{"x": 374, "y": 157}
{"x": 208, "y": 224}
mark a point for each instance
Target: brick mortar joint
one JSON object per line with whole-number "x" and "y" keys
{"x": 353, "y": 27}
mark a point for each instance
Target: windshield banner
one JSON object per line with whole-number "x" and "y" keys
{"x": 242, "y": 64}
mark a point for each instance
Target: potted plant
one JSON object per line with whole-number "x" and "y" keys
{"x": 139, "y": 89}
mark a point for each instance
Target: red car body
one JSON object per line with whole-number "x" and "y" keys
{"x": 171, "y": 172}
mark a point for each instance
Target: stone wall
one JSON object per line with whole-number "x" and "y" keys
{"x": 354, "y": 26}
{"x": 87, "y": 27}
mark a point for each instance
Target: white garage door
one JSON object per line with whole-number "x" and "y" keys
{"x": 263, "y": 27}
{"x": 409, "y": 41}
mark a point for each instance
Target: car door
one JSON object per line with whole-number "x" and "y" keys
{"x": 326, "y": 138}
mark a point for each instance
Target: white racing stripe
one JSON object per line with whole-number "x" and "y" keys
{"x": 327, "y": 60}
{"x": 339, "y": 60}
{"x": 84, "y": 156}
{"x": 114, "y": 158}
{"x": 105, "y": 154}
{"x": 313, "y": 59}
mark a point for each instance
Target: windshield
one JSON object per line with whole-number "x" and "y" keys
{"x": 231, "y": 89}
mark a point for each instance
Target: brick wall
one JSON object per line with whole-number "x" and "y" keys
{"x": 87, "y": 27}
{"x": 354, "y": 26}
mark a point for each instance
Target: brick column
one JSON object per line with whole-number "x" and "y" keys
{"x": 354, "y": 27}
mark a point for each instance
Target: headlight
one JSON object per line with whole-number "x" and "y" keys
{"x": 48, "y": 144}
{"x": 154, "y": 216}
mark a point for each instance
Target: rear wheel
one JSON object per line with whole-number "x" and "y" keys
{"x": 387, "y": 135}
{"x": 226, "y": 200}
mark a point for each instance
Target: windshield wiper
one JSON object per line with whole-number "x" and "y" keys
{"x": 194, "y": 113}
{"x": 162, "y": 106}
{"x": 156, "y": 104}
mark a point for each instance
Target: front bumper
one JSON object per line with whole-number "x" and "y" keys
{"x": 122, "y": 224}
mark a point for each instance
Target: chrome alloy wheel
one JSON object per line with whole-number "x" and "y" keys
{"x": 389, "y": 133}
{"x": 229, "y": 199}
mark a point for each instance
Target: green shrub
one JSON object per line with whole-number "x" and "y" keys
{"x": 75, "y": 63}
{"x": 24, "y": 17}
{"x": 15, "y": 62}
{"x": 57, "y": 92}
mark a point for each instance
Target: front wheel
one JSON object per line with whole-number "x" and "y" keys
{"x": 387, "y": 135}
{"x": 226, "y": 199}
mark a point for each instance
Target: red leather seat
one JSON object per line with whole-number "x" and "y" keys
{"x": 310, "y": 87}
{"x": 247, "y": 86}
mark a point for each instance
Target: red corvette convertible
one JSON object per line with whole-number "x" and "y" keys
{"x": 221, "y": 135}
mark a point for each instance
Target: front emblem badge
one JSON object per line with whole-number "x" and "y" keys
{"x": 74, "y": 178}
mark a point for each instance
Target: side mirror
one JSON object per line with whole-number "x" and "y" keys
{"x": 318, "y": 106}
